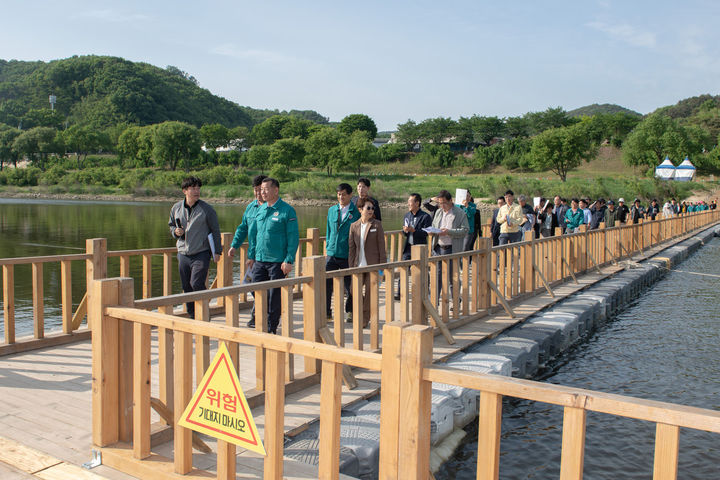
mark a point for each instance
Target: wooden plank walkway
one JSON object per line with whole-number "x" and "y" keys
{"x": 46, "y": 394}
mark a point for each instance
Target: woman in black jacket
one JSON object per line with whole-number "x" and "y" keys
{"x": 548, "y": 222}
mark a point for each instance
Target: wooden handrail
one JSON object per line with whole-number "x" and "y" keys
{"x": 320, "y": 351}
{"x": 612, "y": 404}
{"x": 43, "y": 259}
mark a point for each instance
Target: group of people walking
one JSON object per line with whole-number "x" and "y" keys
{"x": 510, "y": 220}
{"x": 355, "y": 236}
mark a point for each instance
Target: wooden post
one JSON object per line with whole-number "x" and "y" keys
{"x": 126, "y": 297}
{"x": 667, "y": 443}
{"x": 141, "y": 391}
{"x": 415, "y": 393}
{"x": 528, "y": 260}
{"x": 66, "y": 295}
{"x": 484, "y": 272}
{"x": 275, "y": 412}
{"x": 330, "y": 407}
{"x": 147, "y": 275}
{"x": 489, "y": 429}
{"x": 226, "y": 451}
{"x": 106, "y": 360}
{"x": 573, "y": 444}
{"x": 38, "y": 300}
{"x": 125, "y": 266}
{"x": 287, "y": 328}
{"x": 95, "y": 267}
{"x": 182, "y": 455}
{"x": 313, "y": 305}
{"x": 9, "y": 303}
{"x": 358, "y": 303}
{"x": 261, "y": 315}
{"x": 313, "y": 248}
{"x": 374, "y": 298}
{"x": 390, "y": 398}
{"x": 419, "y": 289}
{"x": 202, "y": 343}
{"x": 389, "y": 296}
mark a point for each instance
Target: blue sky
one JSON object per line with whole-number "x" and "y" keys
{"x": 395, "y": 60}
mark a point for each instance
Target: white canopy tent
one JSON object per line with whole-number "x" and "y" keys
{"x": 685, "y": 172}
{"x": 666, "y": 170}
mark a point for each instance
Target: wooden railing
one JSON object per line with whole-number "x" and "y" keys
{"x": 122, "y": 398}
{"x": 406, "y": 413}
{"x": 122, "y": 378}
{"x": 482, "y": 279}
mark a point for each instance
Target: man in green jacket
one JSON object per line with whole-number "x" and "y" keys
{"x": 339, "y": 218}
{"x": 241, "y": 232}
{"x": 273, "y": 238}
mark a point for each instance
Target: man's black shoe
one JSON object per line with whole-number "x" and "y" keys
{"x": 250, "y": 324}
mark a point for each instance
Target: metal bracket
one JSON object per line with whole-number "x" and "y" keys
{"x": 96, "y": 460}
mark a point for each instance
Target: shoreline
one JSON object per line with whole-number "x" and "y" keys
{"x": 304, "y": 202}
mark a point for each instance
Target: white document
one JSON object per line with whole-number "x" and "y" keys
{"x": 460, "y": 196}
{"x": 431, "y": 230}
{"x": 536, "y": 202}
{"x": 212, "y": 243}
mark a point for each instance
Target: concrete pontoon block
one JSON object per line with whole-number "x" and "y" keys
{"x": 530, "y": 347}
{"x": 463, "y": 400}
{"x": 568, "y": 326}
{"x": 518, "y": 356}
{"x": 581, "y": 317}
{"x": 544, "y": 340}
{"x": 483, "y": 363}
{"x": 308, "y": 451}
{"x": 361, "y": 435}
{"x": 552, "y": 333}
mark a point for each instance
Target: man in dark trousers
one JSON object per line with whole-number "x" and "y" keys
{"x": 191, "y": 223}
{"x": 413, "y": 223}
{"x": 276, "y": 237}
{"x": 340, "y": 217}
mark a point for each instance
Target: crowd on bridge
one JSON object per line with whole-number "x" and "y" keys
{"x": 355, "y": 236}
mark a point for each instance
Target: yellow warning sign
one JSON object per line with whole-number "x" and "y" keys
{"x": 219, "y": 408}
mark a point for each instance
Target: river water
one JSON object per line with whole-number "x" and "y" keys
{"x": 665, "y": 346}
{"x": 51, "y": 227}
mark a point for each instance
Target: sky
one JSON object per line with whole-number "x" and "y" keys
{"x": 395, "y": 60}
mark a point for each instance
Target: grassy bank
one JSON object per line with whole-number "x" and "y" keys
{"x": 226, "y": 183}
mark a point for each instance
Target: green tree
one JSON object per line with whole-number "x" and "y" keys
{"x": 83, "y": 140}
{"x": 517, "y": 127}
{"x": 561, "y": 149}
{"x": 437, "y": 156}
{"x": 358, "y": 151}
{"x": 259, "y": 157}
{"x": 8, "y": 135}
{"x": 324, "y": 148}
{"x": 37, "y": 144}
{"x": 437, "y": 130}
{"x": 550, "y": 118}
{"x": 358, "y": 121}
{"x": 174, "y": 142}
{"x": 408, "y": 133}
{"x": 391, "y": 152}
{"x": 487, "y": 128}
{"x": 269, "y": 130}
{"x": 288, "y": 151}
{"x": 136, "y": 144}
{"x": 656, "y": 137}
{"x": 214, "y": 135}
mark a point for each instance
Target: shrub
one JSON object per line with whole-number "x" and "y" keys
{"x": 53, "y": 175}
{"x": 281, "y": 172}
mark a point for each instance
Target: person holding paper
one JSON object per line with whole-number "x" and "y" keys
{"x": 193, "y": 224}
{"x": 414, "y": 223}
{"x": 511, "y": 218}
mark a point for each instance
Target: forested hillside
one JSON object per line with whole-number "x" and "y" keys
{"x": 102, "y": 91}
{"x": 595, "y": 109}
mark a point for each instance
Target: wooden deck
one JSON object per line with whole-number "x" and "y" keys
{"x": 46, "y": 396}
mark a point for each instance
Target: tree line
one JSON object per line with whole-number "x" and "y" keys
{"x": 550, "y": 140}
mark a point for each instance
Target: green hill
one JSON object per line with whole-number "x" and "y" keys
{"x": 594, "y": 109}
{"x": 691, "y": 106}
{"x": 103, "y": 91}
